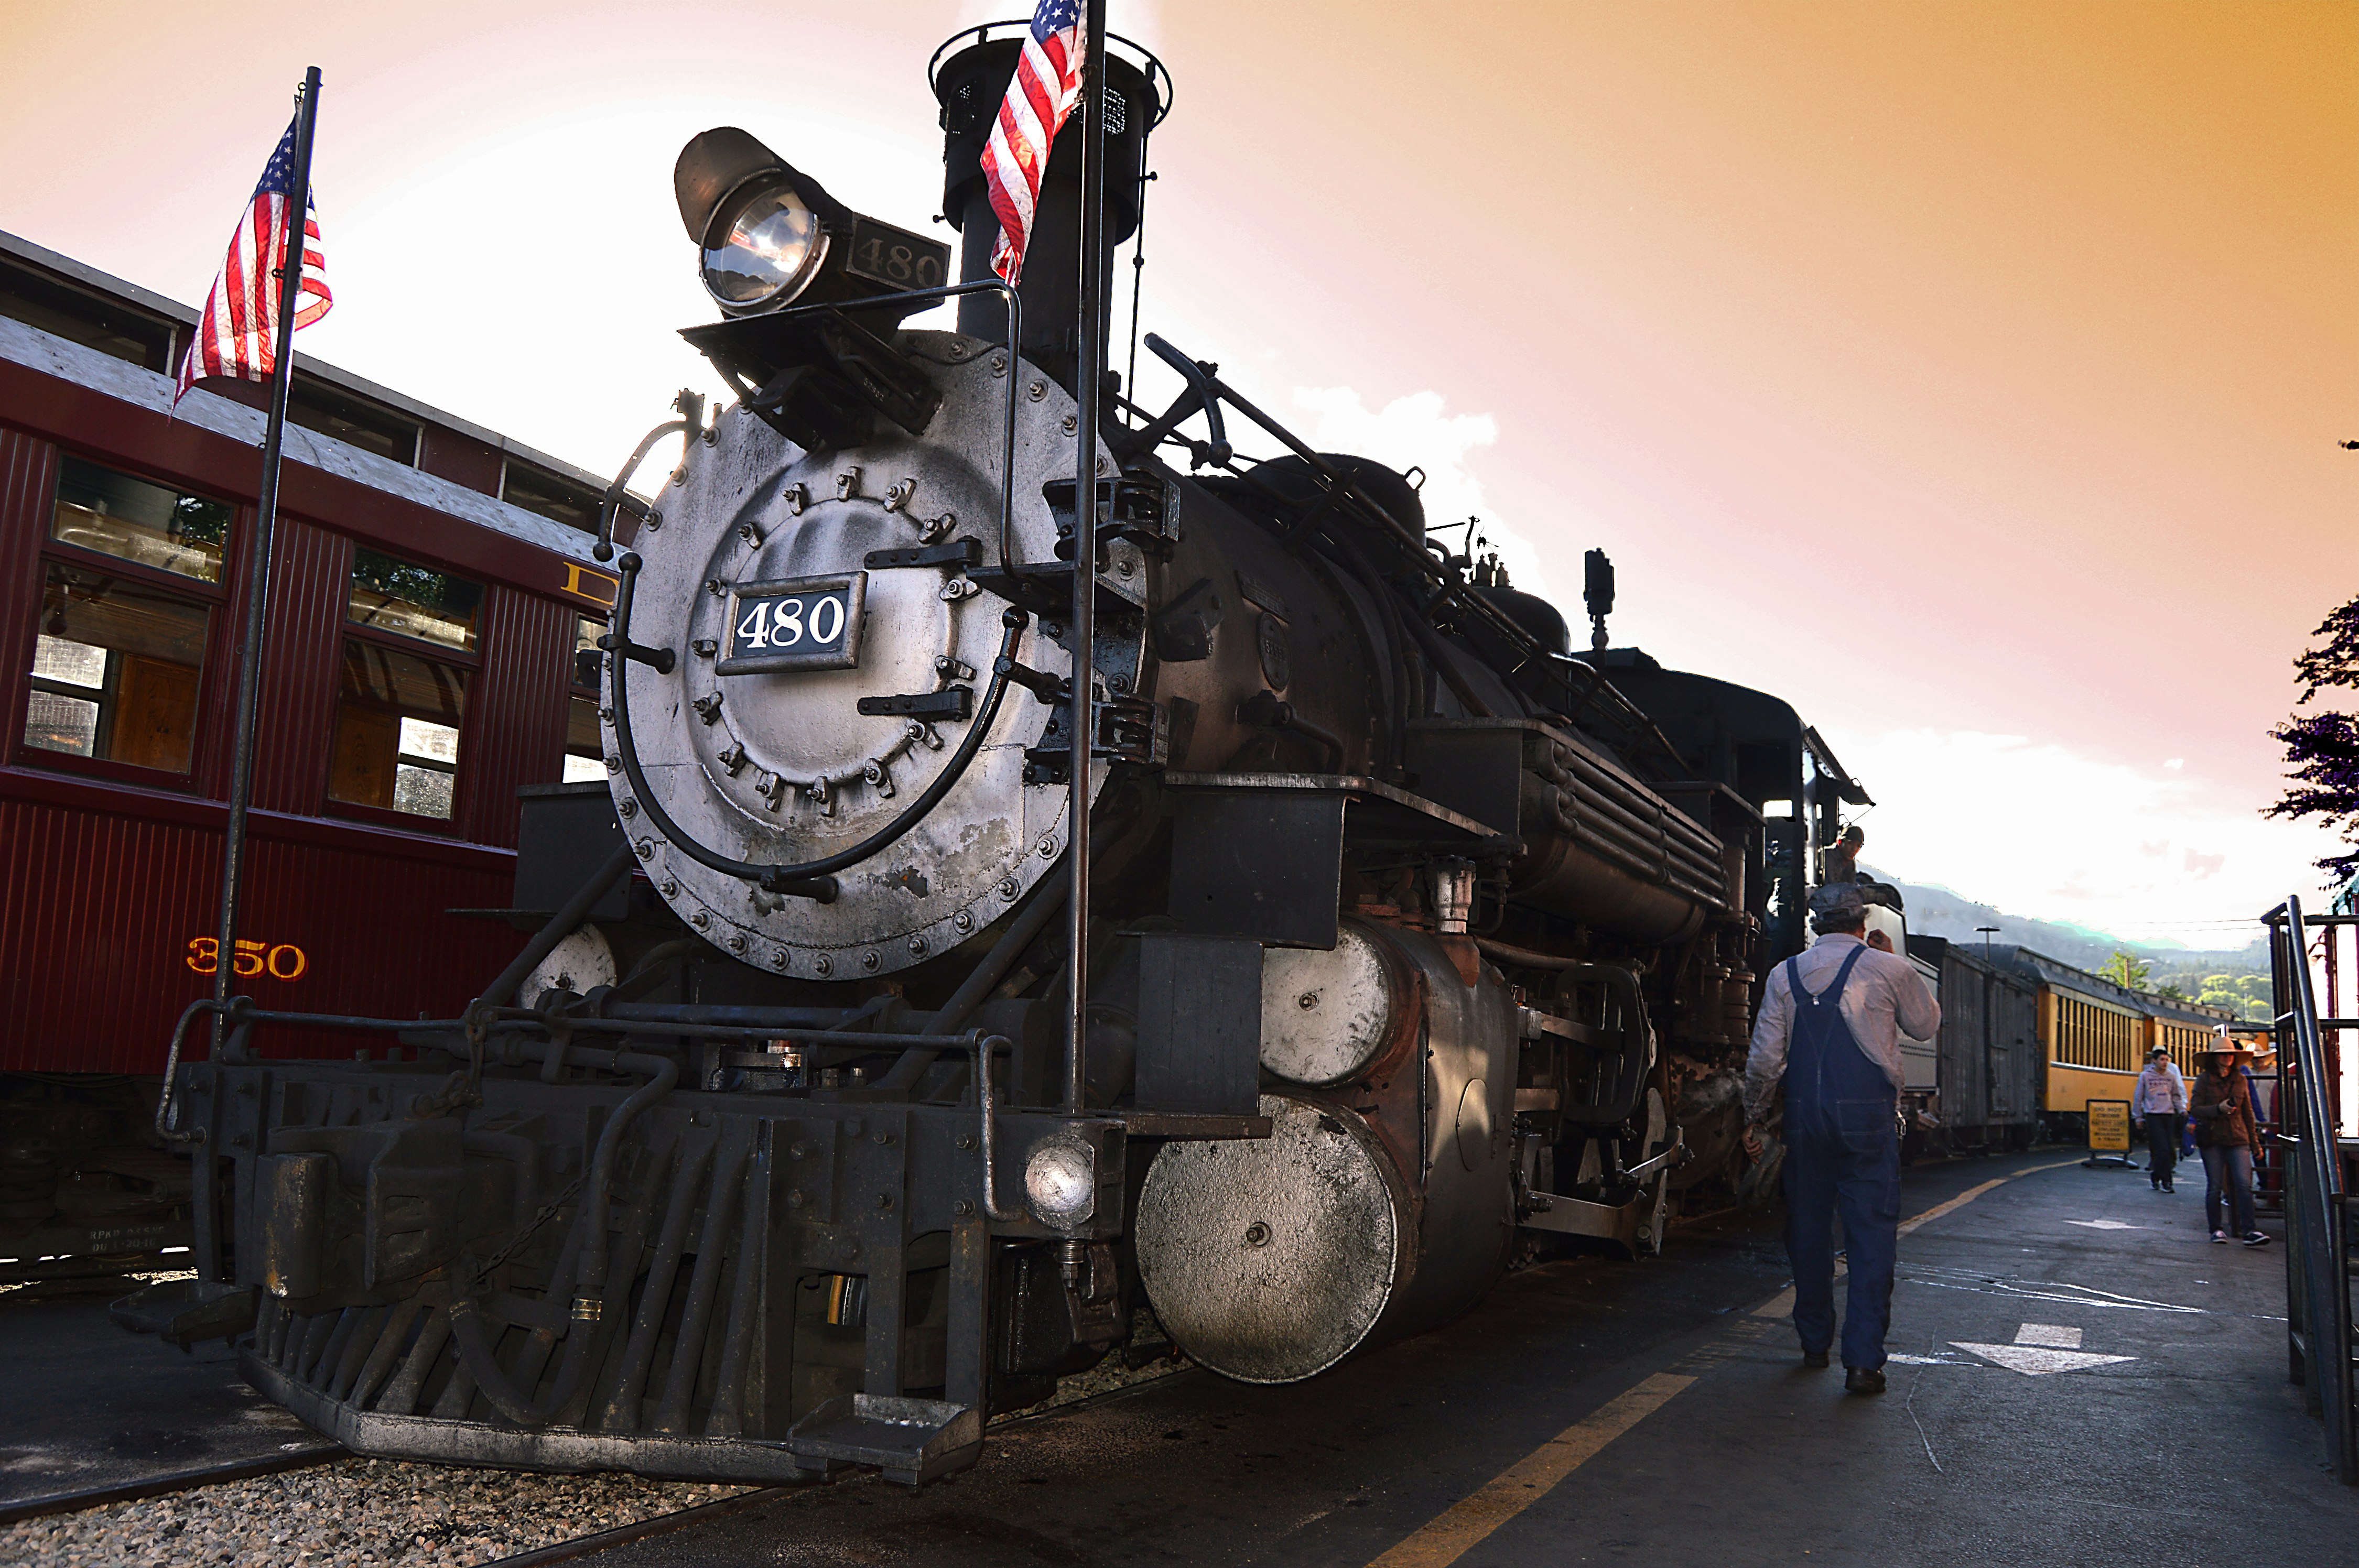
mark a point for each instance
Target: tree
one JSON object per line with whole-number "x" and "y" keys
{"x": 2323, "y": 747}
{"x": 2171, "y": 992}
{"x": 2126, "y": 970}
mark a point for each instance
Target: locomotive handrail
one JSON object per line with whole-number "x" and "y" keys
{"x": 2318, "y": 1288}
{"x": 241, "y": 1011}
{"x": 811, "y": 879}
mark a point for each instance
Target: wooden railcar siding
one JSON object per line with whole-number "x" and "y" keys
{"x": 516, "y": 709}
{"x": 302, "y": 659}
{"x": 107, "y": 890}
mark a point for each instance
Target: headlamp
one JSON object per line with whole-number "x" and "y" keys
{"x": 1061, "y": 1179}
{"x": 768, "y": 235}
{"x": 764, "y": 247}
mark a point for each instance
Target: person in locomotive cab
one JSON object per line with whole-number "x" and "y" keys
{"x": 2158, "y": 1106}
{"x": 1829, "y": 1034}
{"x": 1841, "y": 856}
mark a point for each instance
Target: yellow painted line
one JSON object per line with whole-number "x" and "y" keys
{"x": 1961, "y": 1201}
{"x": 1454, "y": 1531}
{"x": 1782, "y": 1303}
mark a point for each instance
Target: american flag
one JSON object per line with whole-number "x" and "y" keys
{"x": 1046, "y": 86}
{"x": 238, "y": 334}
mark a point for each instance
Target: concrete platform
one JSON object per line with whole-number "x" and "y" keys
{"x": 85, "y": 1406}
{"x": 2079, "y": 1378}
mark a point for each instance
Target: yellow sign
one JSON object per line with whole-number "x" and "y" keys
{"x": 2109, "y": 1126}
{"x": 594, "y": 586}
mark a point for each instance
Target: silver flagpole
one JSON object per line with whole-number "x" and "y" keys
{"x": 1087, "y": 392}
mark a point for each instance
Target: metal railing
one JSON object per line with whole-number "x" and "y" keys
{"x": 2318, "y": 1279}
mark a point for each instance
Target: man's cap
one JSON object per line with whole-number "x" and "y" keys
{"x": 1837, "y": 904}
{"x": 2159, "y": 1051}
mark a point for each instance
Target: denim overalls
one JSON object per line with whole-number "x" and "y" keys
{"x": 1843, "y": 1154}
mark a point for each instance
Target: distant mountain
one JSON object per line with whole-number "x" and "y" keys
{"x": 1935, "y": 911}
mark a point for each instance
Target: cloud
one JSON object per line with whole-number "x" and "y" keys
{"x": 2043, "y": 830}
{"x": 1417, "y": 431}
{"x": 2174, "y": 763}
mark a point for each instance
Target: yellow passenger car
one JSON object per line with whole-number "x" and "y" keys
{"x": 2095, "y": 1034}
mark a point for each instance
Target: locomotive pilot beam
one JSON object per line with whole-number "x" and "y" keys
{"x": 1410, "y": 947}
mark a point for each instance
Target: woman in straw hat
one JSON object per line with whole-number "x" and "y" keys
{"x": 2227, "y": 1132}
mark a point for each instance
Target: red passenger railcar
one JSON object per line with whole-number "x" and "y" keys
{"x": 430, "y": 590}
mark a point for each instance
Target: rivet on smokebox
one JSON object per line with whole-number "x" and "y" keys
{"x": 869, "y": 960}
{"x": 964, "y": 921}
{"x": 917, "y": 947}
{"x": 824, "y": 965}
{"x": 1048, "y": 847}
{"x": 1036, "y": 391}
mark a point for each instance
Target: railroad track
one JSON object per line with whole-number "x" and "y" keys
{"x": 161, "y": 1486}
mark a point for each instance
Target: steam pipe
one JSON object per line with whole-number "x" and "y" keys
{"x": 477, "y": 1346}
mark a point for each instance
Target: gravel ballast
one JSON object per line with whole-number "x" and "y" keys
{"x": 378, "y": 1512}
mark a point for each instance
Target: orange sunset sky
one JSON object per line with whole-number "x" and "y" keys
{"x": 1970, "y": 374}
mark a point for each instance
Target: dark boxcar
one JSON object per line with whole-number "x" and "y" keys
{"x": 1990, "y": 1060}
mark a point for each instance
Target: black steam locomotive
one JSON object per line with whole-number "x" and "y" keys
{"x": 1411, "y": 941}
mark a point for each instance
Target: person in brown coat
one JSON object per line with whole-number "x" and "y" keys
{"x": 2227, "y": 1132}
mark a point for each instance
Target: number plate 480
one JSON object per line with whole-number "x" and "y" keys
{"x": 797, "y": 623}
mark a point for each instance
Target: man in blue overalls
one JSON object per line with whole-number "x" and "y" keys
{"x": 1829, "y": 1034}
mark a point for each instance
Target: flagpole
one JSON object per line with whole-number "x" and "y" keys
{"x": 1088, "y": 393}
{"x": 257, "y": 591}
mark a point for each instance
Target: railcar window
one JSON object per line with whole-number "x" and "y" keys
{"x": 398, "y": 724}
{"x": 352, "y": 422}
{"x": 560, "y": 500}
{"x": 116, "y": 667}
{"x": 410, "y": 600}
{"x": 109, "y": 326}
{"x": 115, "y": 514}
{"x": 585, "y": 750}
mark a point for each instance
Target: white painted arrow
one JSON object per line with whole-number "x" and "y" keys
{"x": 2108, "y": 1225}
{"x": 2040, "y": 1348}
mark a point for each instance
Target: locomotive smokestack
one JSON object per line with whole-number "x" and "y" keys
{"x": 970, "y": 85}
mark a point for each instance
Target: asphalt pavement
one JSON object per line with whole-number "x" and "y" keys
{"x": 2079, "y": 1376}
